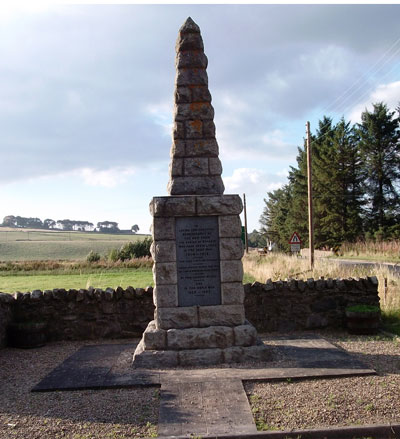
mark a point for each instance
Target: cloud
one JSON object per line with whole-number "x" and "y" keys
{"x": 252, "y": 181}
{"x": 106, "y": 178}
{"x": 386, "y": 93}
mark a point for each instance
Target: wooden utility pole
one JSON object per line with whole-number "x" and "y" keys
{"x": 246, "y": 244}
{"x": 310, "y": 203}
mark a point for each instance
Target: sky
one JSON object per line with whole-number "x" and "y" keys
{"x": 86, "y": 97}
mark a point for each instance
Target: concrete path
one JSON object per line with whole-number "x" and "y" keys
{"x": 207, "y": 407}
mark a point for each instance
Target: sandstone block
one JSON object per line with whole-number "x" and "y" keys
{"x": 230, "y": 226}
{"x": 164, "y": 251}
{"x": 193, "y": 129}
{"x": 221, "y": 315}
{"x": 200, "y": 357}
{"x": 176, "y": 167}
{"x": 164, "y": 273}
{"x": 200, "y": 93}
{"x": 233, "y": 354}
{"x": 181, "y": 317}
{"x": 154, "y": 359}
{"x": 178, "y": 132}
{"x": 208, "y": 129}
{"x": 153, "y": 338}
{"x": 245, "y": 335}
{"x": 192, "y": 58}
{"x": 196, "y": 166}
{"x": 231, "y": 248}
{"x": 201, "y": 147}
{"x": 231, "y": 271}
{"x": 195, "y": 110}
{"x": 189, "y": 41}
{"x": 173, "y": 206}
{"x": 165, "y": 296}
{"x": 183, "y": 95}
{"x": 163, "y": 228}
{"x": 222, "y": 205}
{"x": 232, "y": 293}
{"x": 215, "y": 166}
{"x": 196, "y": 185}
{"x": 189, "y": 76}
{"x": 200, "y": 338}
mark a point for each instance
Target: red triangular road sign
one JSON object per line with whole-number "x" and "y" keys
{"x": 295, "y": 239}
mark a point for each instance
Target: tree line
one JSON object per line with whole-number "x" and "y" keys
{"x": 356, "y": 184}
{"x": 20, "y": 222}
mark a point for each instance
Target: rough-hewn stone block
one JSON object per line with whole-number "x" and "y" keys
{"x": 222, "y": 205}
{"x": 189, "y": 41}
{"x": 195, "y": 185}
{"x": 181, "y": 317}
{"x": 193, "y": 129}
{"x": 200, "y": 357}
{"x": 154, "y": 359}
{"x": 191, "y": 58}
{"x": 200, "y": 338}
{"x": 232, "y": 293}
{"x": 231, "y": 271}
{"x": 183, "y": 95}
{"x": 195, "y": 110}
{"x": 176, "y": 167}
{"x": 163, "y": 228}
{"x": 208, "y": 129}
{"x": 200, "y": 93}
{"x": 173, "y": 206}
{"x": 215, "y": 166}
{"x": 165, "y": 296}
{"x": 178, "y": 132}
{"x": 230, "y": 226}
{"x": 189, "y": 76}
{"x": 233, "y": 354}
{"x": 164, "y": 251}
{"x": 196, "y": 166}
{"x": 245, "y": 335}
{"x": 221, "y": 315}
{"x": 164, "y": 273}
{"x": 231, "y": 248}
{"x": 201, "y": 147}
{"x": 153, "y": 338}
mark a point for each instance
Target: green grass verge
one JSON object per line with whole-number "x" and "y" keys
{"x": 391, "y": 321}
{"x": 138, "y": 278}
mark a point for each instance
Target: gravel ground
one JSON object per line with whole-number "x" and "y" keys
{"x": 129, "y": 413}
{"x": 105, "y": 414}
{"x": 339, "y": 401}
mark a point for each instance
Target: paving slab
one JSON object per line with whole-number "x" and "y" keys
{"x": 200, "y": 408}
{"x": 93, "y": 367}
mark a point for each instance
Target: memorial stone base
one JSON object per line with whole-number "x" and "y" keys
{"x": 199, "y": 317}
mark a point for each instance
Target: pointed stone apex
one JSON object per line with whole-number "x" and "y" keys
{"x": 189, "y": 26}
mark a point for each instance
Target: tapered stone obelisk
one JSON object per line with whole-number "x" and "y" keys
{"x": 197, "y": 249}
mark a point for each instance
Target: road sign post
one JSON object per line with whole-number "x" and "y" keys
{"x": 295, "y": 243}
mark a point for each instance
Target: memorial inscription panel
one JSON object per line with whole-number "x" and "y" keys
{"x": 197, "y": 259}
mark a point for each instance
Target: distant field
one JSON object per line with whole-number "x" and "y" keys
{"x": 25, "y": 245}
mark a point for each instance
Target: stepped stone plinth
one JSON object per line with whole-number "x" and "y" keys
{"x": 197, "y": 248}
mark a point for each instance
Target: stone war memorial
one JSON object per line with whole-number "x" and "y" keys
{"x": 199, "y": 316}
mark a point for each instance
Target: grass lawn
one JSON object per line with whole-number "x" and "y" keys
{"x": 138, "y": 278}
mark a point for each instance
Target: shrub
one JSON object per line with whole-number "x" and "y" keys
{"x": 113, "y": 256}
{"x": 137, "y": 249}
{"x": 93, "y": 256}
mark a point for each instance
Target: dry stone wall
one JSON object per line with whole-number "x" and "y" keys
{"x": 274, "y": 306}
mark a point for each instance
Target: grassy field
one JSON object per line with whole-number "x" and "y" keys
{"x": 387, "y": 251}
{"x": 28, "y": 245}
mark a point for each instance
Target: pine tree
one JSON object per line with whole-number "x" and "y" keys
{"x": 380, "y": 148}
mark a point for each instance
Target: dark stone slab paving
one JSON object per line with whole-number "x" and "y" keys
{"x": 209, "y": 407}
